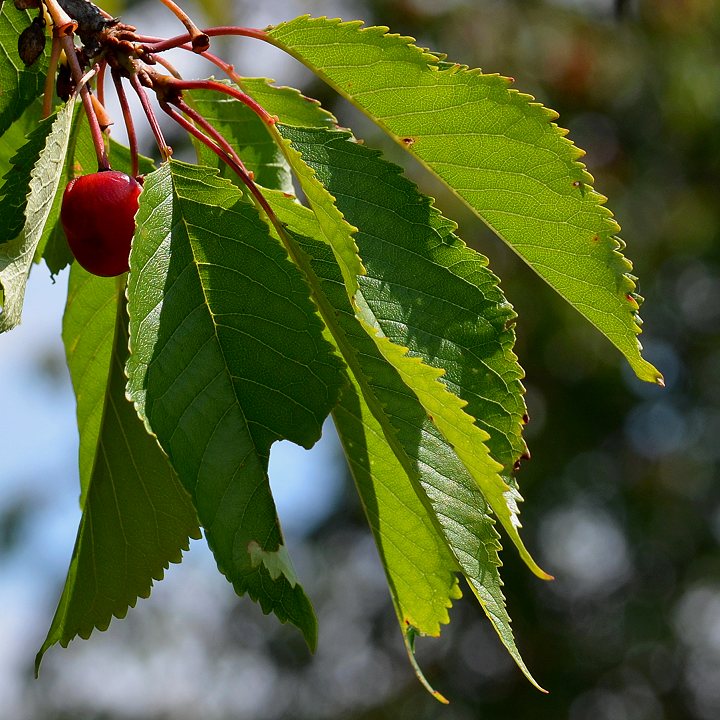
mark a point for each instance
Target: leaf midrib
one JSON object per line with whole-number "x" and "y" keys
{"x": 226, "y": 367}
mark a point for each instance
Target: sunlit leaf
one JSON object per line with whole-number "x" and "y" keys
{"x": 427, "y": 290}
{"x": 16, "y": 257}
{"x": 498, "y": 150}
{"x": 446, "y": 410}
{"x": 459, "y": 510}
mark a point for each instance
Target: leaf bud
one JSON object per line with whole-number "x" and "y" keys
{"x": 31, "y": 42}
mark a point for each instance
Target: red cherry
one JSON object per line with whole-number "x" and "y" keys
{"x": 98, "y": 216}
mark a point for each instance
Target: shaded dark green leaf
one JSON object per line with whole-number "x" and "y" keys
{"x": 137, "y": 517}
{"x": 227, "y": 357}
{"x": 19, "y": 85}
{"x": 16, "y": 182}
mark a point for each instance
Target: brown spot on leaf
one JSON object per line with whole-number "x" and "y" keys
{"x": 408, "y": 141}
{"x": 519, "y": 461}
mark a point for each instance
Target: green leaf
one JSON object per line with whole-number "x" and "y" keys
{"x": 288, "y": 104}
{"x": 498, "y": 150}
{"x": 337, "y": 232}
{"x": 91, "y": 338}
{"x": 16, "y": 257}
{"x": 446, "y": 411}
{"x": 137, "y": 517}
{"x": 445, "y": 408}
{"x": 457, "y": 508}
{"x": 16, "y": 136}
{"x": 422, "y": 589}
{"x": 419, "y": 566}
{"x": 248, "y": 134}
{"x": 16, "y": 182}
{"x": 19, "y": 85}
{"x": 426, "y": 289}
{"x": 458, "y": 503}
{"x": 227, "y": 357}
{"x": 417, "y": 562}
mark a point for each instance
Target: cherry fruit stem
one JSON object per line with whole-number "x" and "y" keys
{"x": 129, "y": 124}
{"x": 165, "y": 150}
{"x": 68, "y": 45}
{"x": 226, "y": 67}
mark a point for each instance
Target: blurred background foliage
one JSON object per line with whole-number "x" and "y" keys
{"x": 622, "y": 495}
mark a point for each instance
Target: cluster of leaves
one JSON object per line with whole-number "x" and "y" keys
{"x": 230, "y": 333}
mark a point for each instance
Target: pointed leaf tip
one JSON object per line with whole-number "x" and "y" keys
{"x": 409, "y": 642}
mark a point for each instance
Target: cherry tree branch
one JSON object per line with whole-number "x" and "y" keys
{"x": 153, "y": 44}
{"x": 165, "y": 149}
{"x": 199, "y": 40}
